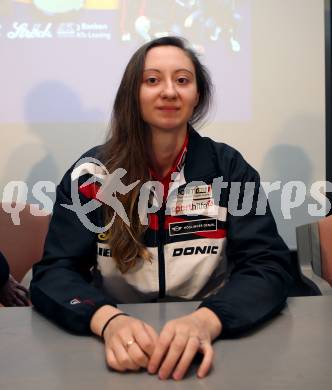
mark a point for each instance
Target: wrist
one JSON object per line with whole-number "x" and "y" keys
{"x": 100, "y": 317}
{"x": 210, "y": 320}
{"x": 106, "y": 325}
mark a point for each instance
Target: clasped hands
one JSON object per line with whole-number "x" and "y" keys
{"x": 131, "y": 344}
{"x": 13, "y": 293}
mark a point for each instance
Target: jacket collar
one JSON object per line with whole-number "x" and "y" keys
{"x": 200, "y": 161}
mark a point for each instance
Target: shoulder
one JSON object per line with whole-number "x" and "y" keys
{"x": 90, "y": 162}
{"x": 89, "y": 165}
{"x": 197, "y": 143}
{"x": 228, "y": 160}
{"x": 223, "y": 150}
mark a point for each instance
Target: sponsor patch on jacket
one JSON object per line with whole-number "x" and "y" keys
{"x": 191, "y": 207}
{"x": 189, "y": 227}
{"x": 103, "y": 250}
{"x": 196, "y": 250}
{"x": 195, "y": 192}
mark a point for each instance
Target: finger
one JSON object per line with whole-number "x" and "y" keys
{"x": 20, "y": 287}
{"x": 22, "y": 298}
{"x": 162, "y": 345}
{"x": 144, "y": 339}
{"x": 137, "y": 355}
{"x": 15, "y": 299}
{"x": 152, "y": 332}
{"x": 19, "y": 298}
{"x": 174, "y": 353}
{"x": 187, "y": 357}
{"x": 112, "y": 362}
{"x": 207, "y": 361}
{"x": 122, "y": 355}
{"x": 18, "y": 302}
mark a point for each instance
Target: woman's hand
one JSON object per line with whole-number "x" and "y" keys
{"x": 129, "y": 343}
{"x": 14, "y": 294}
{"x": 181, "y": 339}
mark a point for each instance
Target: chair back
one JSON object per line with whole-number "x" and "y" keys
{"x": 23, "y": 244}
{"x": 325, "y": 238}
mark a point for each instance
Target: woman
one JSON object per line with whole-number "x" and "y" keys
{"x": 180, "y": 255}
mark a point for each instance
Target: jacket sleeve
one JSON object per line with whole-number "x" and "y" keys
{"x": 61, "y": 287}
{"x": 259, "y": 282}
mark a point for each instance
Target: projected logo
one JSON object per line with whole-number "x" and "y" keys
{"x": 65, "y": 30}
{"x": 30, "y": 31}
{"x": 199, "y": 20}
{"x": 84, "y": 30}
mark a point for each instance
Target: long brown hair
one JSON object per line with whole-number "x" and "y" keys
{"x": 126, "y": 148}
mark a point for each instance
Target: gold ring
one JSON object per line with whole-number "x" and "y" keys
{"x": 129, "y": 343}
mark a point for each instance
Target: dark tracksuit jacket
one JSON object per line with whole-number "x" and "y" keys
{"x": 202, "y": 247}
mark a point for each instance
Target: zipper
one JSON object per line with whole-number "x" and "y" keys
{"x": 161, "y": 256}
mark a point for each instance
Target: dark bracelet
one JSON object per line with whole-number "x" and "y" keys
{"x": 109, "y": 320}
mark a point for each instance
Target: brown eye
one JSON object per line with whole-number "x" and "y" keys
{"x": 182, "y": 80}
{"x": 151, "y": 80}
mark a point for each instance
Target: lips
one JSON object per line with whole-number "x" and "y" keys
{"x": 168, "y": 108}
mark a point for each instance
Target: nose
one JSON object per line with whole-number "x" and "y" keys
{"x": 169, "y": 90}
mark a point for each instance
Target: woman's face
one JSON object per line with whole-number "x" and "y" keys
{"x": 168, "y": 92}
